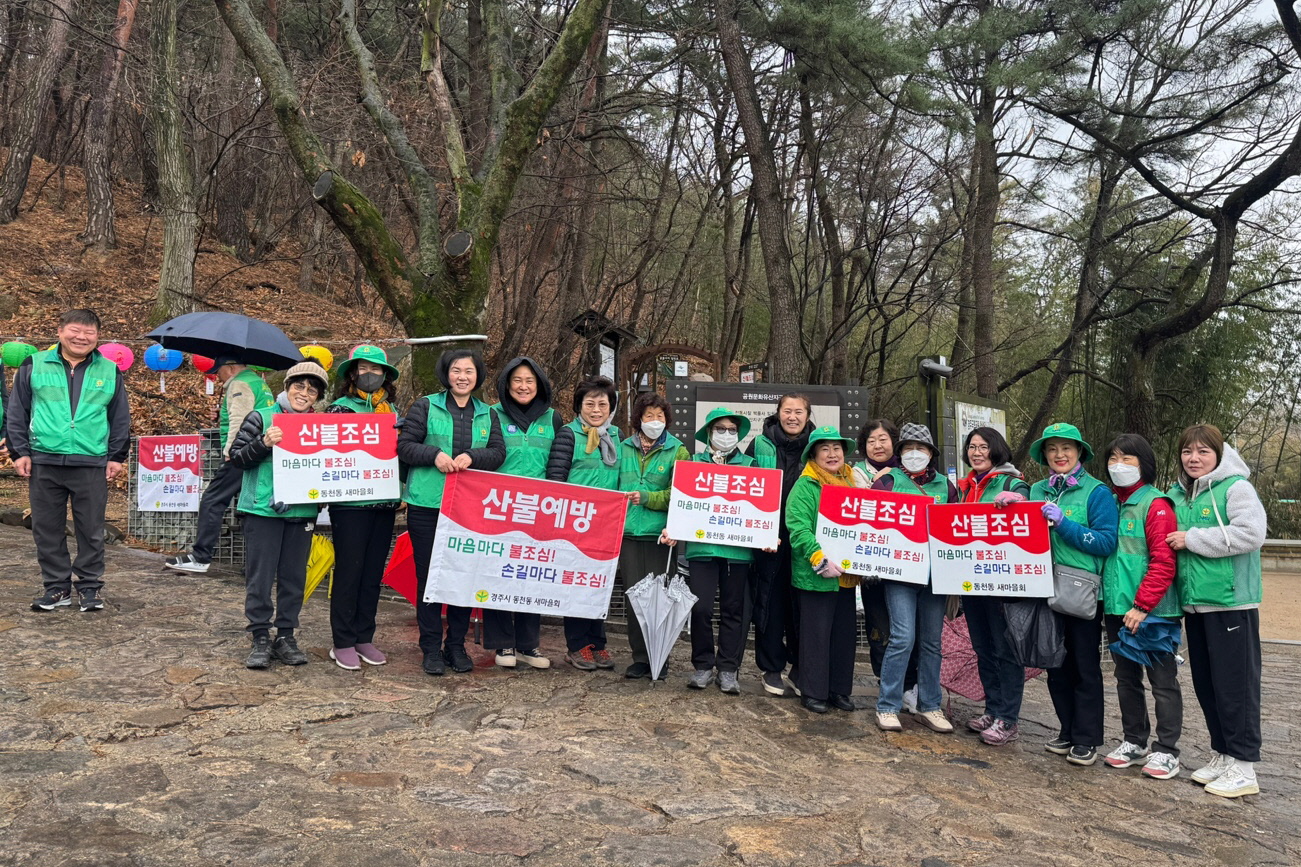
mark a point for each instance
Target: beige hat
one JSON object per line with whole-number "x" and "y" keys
{"x": 308, "y": 369}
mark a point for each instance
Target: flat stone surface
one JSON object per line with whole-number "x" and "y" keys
{"x": 135, "y": 736}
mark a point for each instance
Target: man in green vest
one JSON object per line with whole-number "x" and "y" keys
{"x": 243, "y": 391}
{"x": 69, "y": 432}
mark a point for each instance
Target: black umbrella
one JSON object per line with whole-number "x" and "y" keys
{"x": 213, "y": 334}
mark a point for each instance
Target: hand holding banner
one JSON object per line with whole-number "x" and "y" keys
{"x": 879, "y": 534}
{"x": 725, "y": 505}
{"x": 335, "y": 457}
{"x": 979, "y": 549}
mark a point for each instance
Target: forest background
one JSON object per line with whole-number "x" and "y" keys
{"x": 1089, "y": 207}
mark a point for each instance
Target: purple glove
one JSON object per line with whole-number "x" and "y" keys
{"x": 1053, "y": 513}
{"x": 1007, "y": 498}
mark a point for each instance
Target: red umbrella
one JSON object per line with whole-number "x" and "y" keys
{"x": 401, "y": 571}
{"x": 958, "y": 669}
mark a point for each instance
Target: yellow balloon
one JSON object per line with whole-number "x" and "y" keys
{"x": 322, "y": 355}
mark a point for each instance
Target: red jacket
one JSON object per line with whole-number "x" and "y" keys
{"x": 1160, "y": 556}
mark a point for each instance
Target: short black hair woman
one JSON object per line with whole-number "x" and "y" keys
{"x": 277, "y": 536}
{"x": 1221, "y": 531}
{"x": 444, "y": 433}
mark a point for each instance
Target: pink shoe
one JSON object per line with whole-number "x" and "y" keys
{"x": 980, "y": 723}
{"x": 345, "y": 657}
{"x": 1000, "y": 733}
{"x": 370, "y": 654}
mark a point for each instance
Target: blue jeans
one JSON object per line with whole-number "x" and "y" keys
{"x": 916, "y": 616}
{"x": 1000, "y": 674}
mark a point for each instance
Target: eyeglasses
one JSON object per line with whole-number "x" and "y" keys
{"x": 980, "y": 450}
{"x": 718, "y": 428}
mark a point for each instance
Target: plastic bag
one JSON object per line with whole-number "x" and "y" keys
{"x": 1035, "y": 633}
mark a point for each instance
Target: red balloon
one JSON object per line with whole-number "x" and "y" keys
{"x": 201, "y": 363}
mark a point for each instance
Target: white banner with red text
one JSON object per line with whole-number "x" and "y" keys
{"x": 877, "y": 534}
{"x": 169, "y": 474}
{"x": 979, "y": 549}
{"x": 720, "y": 504}
{"x": 335, "y": 457}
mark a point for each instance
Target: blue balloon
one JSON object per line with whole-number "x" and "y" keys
{"x": 157, "y": 358}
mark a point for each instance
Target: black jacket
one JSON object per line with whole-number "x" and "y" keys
{"x": 414, "y": 451}
{"x": 248, "y": 449}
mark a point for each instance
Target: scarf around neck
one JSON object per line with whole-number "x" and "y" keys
{"x": 378, "y": 400}
{"x": 844, "y": 476}
{"x": 599, "y": 437}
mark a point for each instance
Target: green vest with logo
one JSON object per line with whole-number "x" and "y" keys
{"x": 262, "y": 398}
{"x": 1126, "y": 566}
{"x": 54, "y": 429}
{"x": 765, "y": 453}
{"x": 257, "y": 493}
{"x": 356, "y": 404}
{"x": 652, "y": 472}
{"x": 1074, "y": 503}
{"x": 424, "y": 485}
{"x": 527, "y": 448}
{"x": 937, "y": 488}
{"x": 701, "y": 550}
{"x": 1220, "y": 582}
{"x": 589, "y": 469}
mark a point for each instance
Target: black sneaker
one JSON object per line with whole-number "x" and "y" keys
{"x": 458, "y": 659}
{"x": 1058, "y": 746}
{"x": 186, "y": 563}
{"x": 1081, "y": 755}
{"x": 52, "y": 599}
{"x": 90, "y": 600}
{"x": 286, "y": 650}
{"x": 773, "y": 683}
{"x": 638, "y": 670}
{"x": 433, "y": 663}
{"x": 260, "y": 657}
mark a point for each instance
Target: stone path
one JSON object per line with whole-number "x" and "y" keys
{"x": 135, "y": 736}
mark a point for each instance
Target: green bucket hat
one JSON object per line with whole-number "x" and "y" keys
{"x": 1062, "y": 431}
{"x": 742, "y": 423}
{"x": 827, "y": 433}
{"x": 365, "y": 352}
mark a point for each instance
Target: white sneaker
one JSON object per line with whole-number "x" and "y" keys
{"x": 1211, "y": 772}
{"x": 505, "y": 657}
{"x": 910, "y": 701}
{"x": 1161, "y": 766}
{"x": 888, "y": 722}
{"x": 185, "y": 563}
{"x": 1238, "y": 779}
{"x": 1126, "y": 755}
{"x": 936, "y": 721}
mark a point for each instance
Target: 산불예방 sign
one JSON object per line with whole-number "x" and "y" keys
{"x": 169, "y": 473}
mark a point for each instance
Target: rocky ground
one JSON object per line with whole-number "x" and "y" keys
{"x": 135, "y": 736}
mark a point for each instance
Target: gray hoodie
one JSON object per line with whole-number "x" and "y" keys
{"x": 1242, "y": 530}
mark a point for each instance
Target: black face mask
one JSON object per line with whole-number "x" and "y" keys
{"x": 369, "y": 382}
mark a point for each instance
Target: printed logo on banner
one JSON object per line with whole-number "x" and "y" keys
{"x": 335, "y": 457}
{"x": 169, "y": 475}
{"x": 980, "y": 549}
{"x": 725, "y": 505}
{"x": 879, "y": 534}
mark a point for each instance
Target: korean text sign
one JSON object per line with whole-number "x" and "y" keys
{"x": 335, "y": 457}
{"x": 518, "y": 544}
{"x": 879, "y": 534}
{"x": 978, "y": 549}
{"x": 169, "y": 477}
{"x": 725, "y": 505}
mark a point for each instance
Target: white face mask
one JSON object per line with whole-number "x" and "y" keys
{"x": 652, "y": 429}
{"x": 916, "y": 460}
{"x": 1124, "y": 475}
{"x": 723, "y": 441}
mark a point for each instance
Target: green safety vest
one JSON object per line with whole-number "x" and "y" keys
{"x": 527, "y": 449}
{"x": 587, "y": 469}
{"x": 701, "y": 550}
{"x": 646, "y": 473}
{"x": 356, "y": 404}
{"x": 1074, "y": 503}
{"x": 937, "y": 488}
{"x": 262, "y": 398}
{"x": 1219, "y": 582}
{"x": 54, "y": 430}
{"x": 765, "y": 453}
{"x": 257, "y": 493}
{"x": 424, "y": 485}
{"x": 1126, "y": 566}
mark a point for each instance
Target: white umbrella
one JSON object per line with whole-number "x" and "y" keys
{"x": 662, "y": 610}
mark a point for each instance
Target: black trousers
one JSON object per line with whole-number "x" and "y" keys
{"x": 828, "y": 625}
{"x": 1168, "y": 698}
{"x": 223, "y": 488}
{"x": 49, "y": 491}
{"x": 638, "y": 557}
{"x": 361, "y": 543}
{"x": 716, "y": 577}
{"x": 511, "y": 629}
{"x": 1224, "y": 652}
{"x": 776, "y": 622}
{"x": 421, "y": 524}
{"x": 582, "y": 631}
{"x": 1076, "y": 687}
{"x": 276, "y": 554}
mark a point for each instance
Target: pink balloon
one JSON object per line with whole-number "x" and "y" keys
{"x": 120, "y": 355}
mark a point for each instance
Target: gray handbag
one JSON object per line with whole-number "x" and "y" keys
{"x": 1075, "y": 592}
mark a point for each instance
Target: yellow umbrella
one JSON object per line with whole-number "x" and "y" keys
{"x": 319, "y": 564}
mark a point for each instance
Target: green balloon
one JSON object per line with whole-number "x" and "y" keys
{"x": 16, "y": 352}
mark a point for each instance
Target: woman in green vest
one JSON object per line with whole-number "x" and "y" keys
{"x": 1138, "y": 580}
{"x": 277, "y": 537}
{"x": 1082, "y": 514}
{"x": 993, "y": 479}
{"x": 916, "y": 613}
{"x": 646, "y": 459}
{"x": 362, "y": 530}
{"x": 585, "y": 452}
{"x": 1221, "y": 530}
{"x": 444, "y": 433}
{"x": 529, "y": 426}
{"x": 720, "y": 571}
{"x": 828, "y": 617}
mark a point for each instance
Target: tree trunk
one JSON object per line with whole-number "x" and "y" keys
{"x": 100, "y": 233}
{"x": 786, "y": 361}
{"x": 175, "y": 175}
{"x": 982, "y": 227}
{"x": 31, "y": 108}
{"x": 838, "y": 329}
